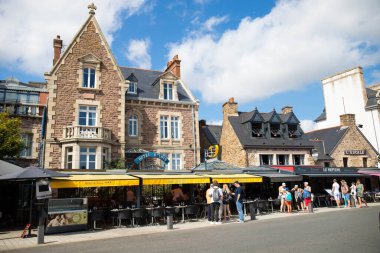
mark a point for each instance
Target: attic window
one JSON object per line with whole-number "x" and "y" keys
{"x": 257, "y": 130}
{"x": 293, "y": 131}
{"x": 132, "y": 88}
{"x": 275, "y": 130}
{"x": 88, "y": 78}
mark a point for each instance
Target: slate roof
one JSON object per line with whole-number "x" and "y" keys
{"x": 372, "y": 100}
{"x": 322, "y": 116}
{"x": 212, "y": 133}
{"x": 325, "y": 140}
{"x": 5, "y": 84}
{"x": 215, "y": 164}
{"x": 145, "y": 88}
{"x": 246, "y": 139}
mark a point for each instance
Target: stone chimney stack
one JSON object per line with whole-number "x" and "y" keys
{"x": 57, "y": 45}
{"x": 287, "y": 109}
{"x": 174, "y": 66}
{"x": 347, "y": 120}
{"x": 230, "y": 108}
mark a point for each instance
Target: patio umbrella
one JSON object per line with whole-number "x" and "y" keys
{"x": 6, "y": 168}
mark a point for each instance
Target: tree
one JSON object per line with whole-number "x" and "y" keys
{"x": 11, "y": 142}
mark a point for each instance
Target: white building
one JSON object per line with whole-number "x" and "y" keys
{"x": 346, "y": 93}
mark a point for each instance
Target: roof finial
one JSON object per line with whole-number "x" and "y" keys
{"x": 92, "y": 8}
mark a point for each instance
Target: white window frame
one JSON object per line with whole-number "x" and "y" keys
{"x": 87, "y": 153}
{"x": 168, "y": 91}
{"x": 105, "y": 155}
{"x": 270, "y": 160}
{"x": 302, "y": 159}
{"x": 176, "y": 161}
{"x": 133, "y": 126}
{"x": 27, "y": 139}
{"x": 286, "y": 159}
{"x": 134, "y": 90}
{"x": 69, "y": 153}
{"x": 175, "y": 127}
{"x": 86, "y": 82}
{"x": 87, "y": 109}
{"x": 164, "y": 125}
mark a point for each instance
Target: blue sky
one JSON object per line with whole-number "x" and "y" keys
{"x": 264, "y": 53}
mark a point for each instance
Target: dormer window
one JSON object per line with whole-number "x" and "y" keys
{"x": 293, "y": 131}
{"x": 257, "y": 130}
{"x": 168, "y": 91}
{"x": 132, "y": 88}
{"x": 89, "y": 78}
{"x": 275, "y": 130}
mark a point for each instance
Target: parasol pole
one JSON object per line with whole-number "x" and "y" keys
{"x": 30, "y": 211}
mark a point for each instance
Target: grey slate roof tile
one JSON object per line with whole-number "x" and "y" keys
{"x": 212, "y": 133}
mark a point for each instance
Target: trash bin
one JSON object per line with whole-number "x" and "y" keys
{"x": 169, "y": 212}
{"x": 252, "y": 210}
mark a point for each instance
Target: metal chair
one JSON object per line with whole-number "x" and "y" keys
{"x": 139, "y": 214}
{"x": 191, "y": 211}
{"x": 157, "y": 213}
{"x": 97, "y": 215}
{"x": 123, "y": 215}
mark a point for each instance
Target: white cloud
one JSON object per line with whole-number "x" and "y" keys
{"x": 138, "y": 54}
{"x": 308, "y": 125}
{"x": 214, "y": 21}
{"x": 214, "y": 122}
{"x": 297, "y": 43}
{"x": 29, "y": 27}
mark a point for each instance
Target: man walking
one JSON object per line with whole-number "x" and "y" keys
{"x": 239, "y": 201}
{"x": 208, "y": 199}
{"x": 216, "y": 195}
{"x": 335, "y": 192}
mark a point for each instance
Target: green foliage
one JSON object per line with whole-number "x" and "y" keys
{"x": 10, "y": 139}
{"x": 116, "y": 164}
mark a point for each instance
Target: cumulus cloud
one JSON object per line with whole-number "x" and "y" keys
{"x": 215, "y": 122}
{"x": 137, "y": 53}
{"x": 214, "y": 21}
{"x": 28, "y": 28}
{"x": 308, "y": 125}
{"x": 297, "y": 43}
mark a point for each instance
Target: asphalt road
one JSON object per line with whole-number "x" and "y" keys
{"x": 355, "y": 230}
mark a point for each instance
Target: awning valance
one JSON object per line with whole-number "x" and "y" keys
{"x": 172, "y": 179}
{"x": 230, "y": 178}
{"x": 278, "y": 177}
{"x": 86, "y": 181}
{"x": 370, "y": 172}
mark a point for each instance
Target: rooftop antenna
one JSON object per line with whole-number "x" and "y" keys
{"x": 344, "y": 107}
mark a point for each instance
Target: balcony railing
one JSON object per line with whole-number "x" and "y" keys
{"x": 22, "y": 110}
{"x": 87, "y": 132}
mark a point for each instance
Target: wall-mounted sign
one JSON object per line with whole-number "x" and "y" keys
{"x": 355, "y": 152}
{"x": 151, "y": 155}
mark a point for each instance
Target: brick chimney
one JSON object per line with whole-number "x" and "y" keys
{"x": 57, "y": 45}
{"x": 230, "y": 108}
{"x": 287, "y": 109}
{"x": 347, "y": 120}
{"x": 174, "y": 66}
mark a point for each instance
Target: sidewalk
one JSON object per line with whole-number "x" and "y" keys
{"x": 11, "y": 240}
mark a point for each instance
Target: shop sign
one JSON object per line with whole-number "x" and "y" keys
{"x": 355, "y": 152}
{"x": 151, "y": 155}
{"x": 325, "y": 170}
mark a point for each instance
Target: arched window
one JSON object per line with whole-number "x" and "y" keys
{"x": 133, "y": 125}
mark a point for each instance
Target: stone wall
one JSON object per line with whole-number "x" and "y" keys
{"x": 231, "y": 149}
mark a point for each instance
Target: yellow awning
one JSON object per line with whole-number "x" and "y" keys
{"x": 85, "y": 181}
{"x": 230, "y": 178}
{"x": 173, "y": 179}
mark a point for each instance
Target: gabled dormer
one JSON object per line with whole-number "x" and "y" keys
{"x": 291, "y": 123}
{"x": 168, "y": 85}
{"x": 274, "y": 121}
{"x": 254, "y": 122}
{"x": 133, "y": 84}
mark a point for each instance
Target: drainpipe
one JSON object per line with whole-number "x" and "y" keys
{"x": 194, "y": 136}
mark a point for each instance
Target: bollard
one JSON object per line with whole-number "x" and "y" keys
{"x": 252, "y": 211}
{"x": 310, "y": 207}
{"x": 169, "y": 222}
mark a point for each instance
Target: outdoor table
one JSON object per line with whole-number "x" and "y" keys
{"x": 183, "y": 212}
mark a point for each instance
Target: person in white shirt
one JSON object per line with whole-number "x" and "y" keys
{"x": 335, "y": 192}
{"x": 353, "y": 193}
{"x": 216, "y": 195}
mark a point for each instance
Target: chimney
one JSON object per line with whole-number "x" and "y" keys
{"x": 229, "y": 109}
{"x": 57, "y": 45}
{"x": 287, "y": 109}
{"x": 174, "y": 66}
{"x": 347, "y": 120}
{"x": 202, "y": 123}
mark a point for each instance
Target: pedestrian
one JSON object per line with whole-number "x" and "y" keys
{"x": 216, "y": 195}
{"x": 345, "y": 193}
{"x": 307, "y": 195}
{"x": 239, "y": 201}
{"x": 353, "y": 193}
{"x": 298, "y": 197}
{"x": 335, "y": 192}
{"x": 226, "y": 202}
{"x": 360, "y": 193}
{"x": 288, "y": 200}
{"x": 208, "y": 201}
{"x": 281, "y": 196}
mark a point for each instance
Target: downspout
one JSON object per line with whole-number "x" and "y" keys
{"x": 194, "y": 136}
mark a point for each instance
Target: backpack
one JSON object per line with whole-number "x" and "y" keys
{"x": 216, "y": 195}
{"x": 288, "y": 196}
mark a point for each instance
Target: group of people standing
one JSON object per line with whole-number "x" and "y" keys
{"x": 302, "y": 197}
{"x": 345, "y": 193}
{"x": 218, "y": 200}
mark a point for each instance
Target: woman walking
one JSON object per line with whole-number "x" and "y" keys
{"x": 360, "y": 193}
{"x": 226, "y": 202}
{"x": 353, "y": 193}
{"x": 345, "y": 193}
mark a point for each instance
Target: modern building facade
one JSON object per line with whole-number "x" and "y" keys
{"x": 101, "y": 113}
{"x": 25, "y": 101}
{"x": 346, "y": 93}
{"x": 255, "y": 138}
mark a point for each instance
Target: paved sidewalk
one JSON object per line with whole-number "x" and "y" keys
{"x": 11, "y": 240}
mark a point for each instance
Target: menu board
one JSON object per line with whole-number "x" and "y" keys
{"x": 65, "y": 215}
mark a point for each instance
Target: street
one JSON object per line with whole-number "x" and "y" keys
{"x": 346, "y": 231}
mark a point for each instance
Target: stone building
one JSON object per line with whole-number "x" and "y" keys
{"x": 343, "y": 146}
{"x": 209, "y": 136}
{"x": 255, "y": 138}
{"x": 346, "y": 93}
{"x": 25, "y": 101}
{"x": 101, "y": 113}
